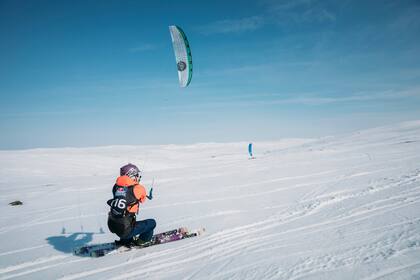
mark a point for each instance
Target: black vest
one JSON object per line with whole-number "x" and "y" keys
{"x": 123, "y": 198}
{"x": 120, "y": 221}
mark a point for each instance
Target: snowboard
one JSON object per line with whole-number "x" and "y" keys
{"x": 102, "y": 249}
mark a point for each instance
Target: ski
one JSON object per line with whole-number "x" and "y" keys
{"x": 102, "y": 249}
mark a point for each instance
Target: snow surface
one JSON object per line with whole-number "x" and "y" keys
{"x": 343, "y": 207}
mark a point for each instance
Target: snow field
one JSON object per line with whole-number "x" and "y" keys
{"x": 342, "y": 207}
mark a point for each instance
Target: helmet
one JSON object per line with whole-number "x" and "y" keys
{"x": 131, "y": 171}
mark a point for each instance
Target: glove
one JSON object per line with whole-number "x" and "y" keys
{"x": 150, "y": 196}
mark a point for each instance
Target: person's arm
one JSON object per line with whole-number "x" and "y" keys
{"x": 140, "y": 193}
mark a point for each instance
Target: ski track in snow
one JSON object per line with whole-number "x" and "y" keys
{"x": 37, "y": 262}
{"x": 51, "y": 263}
{"x": 22, "y": 250}
{"x": 388, "y": 272}
{"x": 344, "y": 209}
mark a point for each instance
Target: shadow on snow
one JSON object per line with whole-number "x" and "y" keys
{"x": 66, "y": 243}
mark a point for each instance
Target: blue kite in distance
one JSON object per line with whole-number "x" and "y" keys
{"x": 250, "y": 150}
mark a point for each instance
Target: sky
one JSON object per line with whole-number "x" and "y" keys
{"x": 94, "y": 73}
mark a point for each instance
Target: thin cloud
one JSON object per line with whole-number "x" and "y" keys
{"x": 241, "y": 69}
{"x": 308, "y": 99}
{"x": 407, "y": 22}
{"x": 233, "y": 25}
{"x": 320, "y": 100}
{"x": 143, "y": 48}
{"x": 300, "y": 11}
{"x": 282, "y": 13}
{"x": 289, "y": 5}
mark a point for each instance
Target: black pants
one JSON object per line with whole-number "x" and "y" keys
{"x": 144, "y": 229}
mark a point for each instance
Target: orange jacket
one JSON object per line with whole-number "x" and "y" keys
{"x": 138, "y": 190}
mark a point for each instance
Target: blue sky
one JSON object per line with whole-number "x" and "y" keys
{"x": 89, "y": 73}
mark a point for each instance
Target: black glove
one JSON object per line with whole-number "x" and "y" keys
{"x": 150, "y": 196}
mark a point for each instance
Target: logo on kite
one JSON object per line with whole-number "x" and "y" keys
{"x": 181, "y": 66}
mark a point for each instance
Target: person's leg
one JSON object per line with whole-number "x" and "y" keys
{"x": 144, "y": 229}
{"x": 148, "y": 227}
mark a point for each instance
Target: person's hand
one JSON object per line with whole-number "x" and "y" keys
{"x": 150, "y": 196}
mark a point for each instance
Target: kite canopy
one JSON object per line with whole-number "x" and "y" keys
{"x": 182, "y": 55}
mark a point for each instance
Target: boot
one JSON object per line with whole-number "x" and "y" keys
{"x": 124, "y": 242}
{"x": 139, "y": 242}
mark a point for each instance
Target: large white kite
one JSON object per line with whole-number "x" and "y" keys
{"x": 182, "y": 55}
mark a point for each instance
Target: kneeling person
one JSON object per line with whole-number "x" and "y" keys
{"x": 128, "y": 194}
